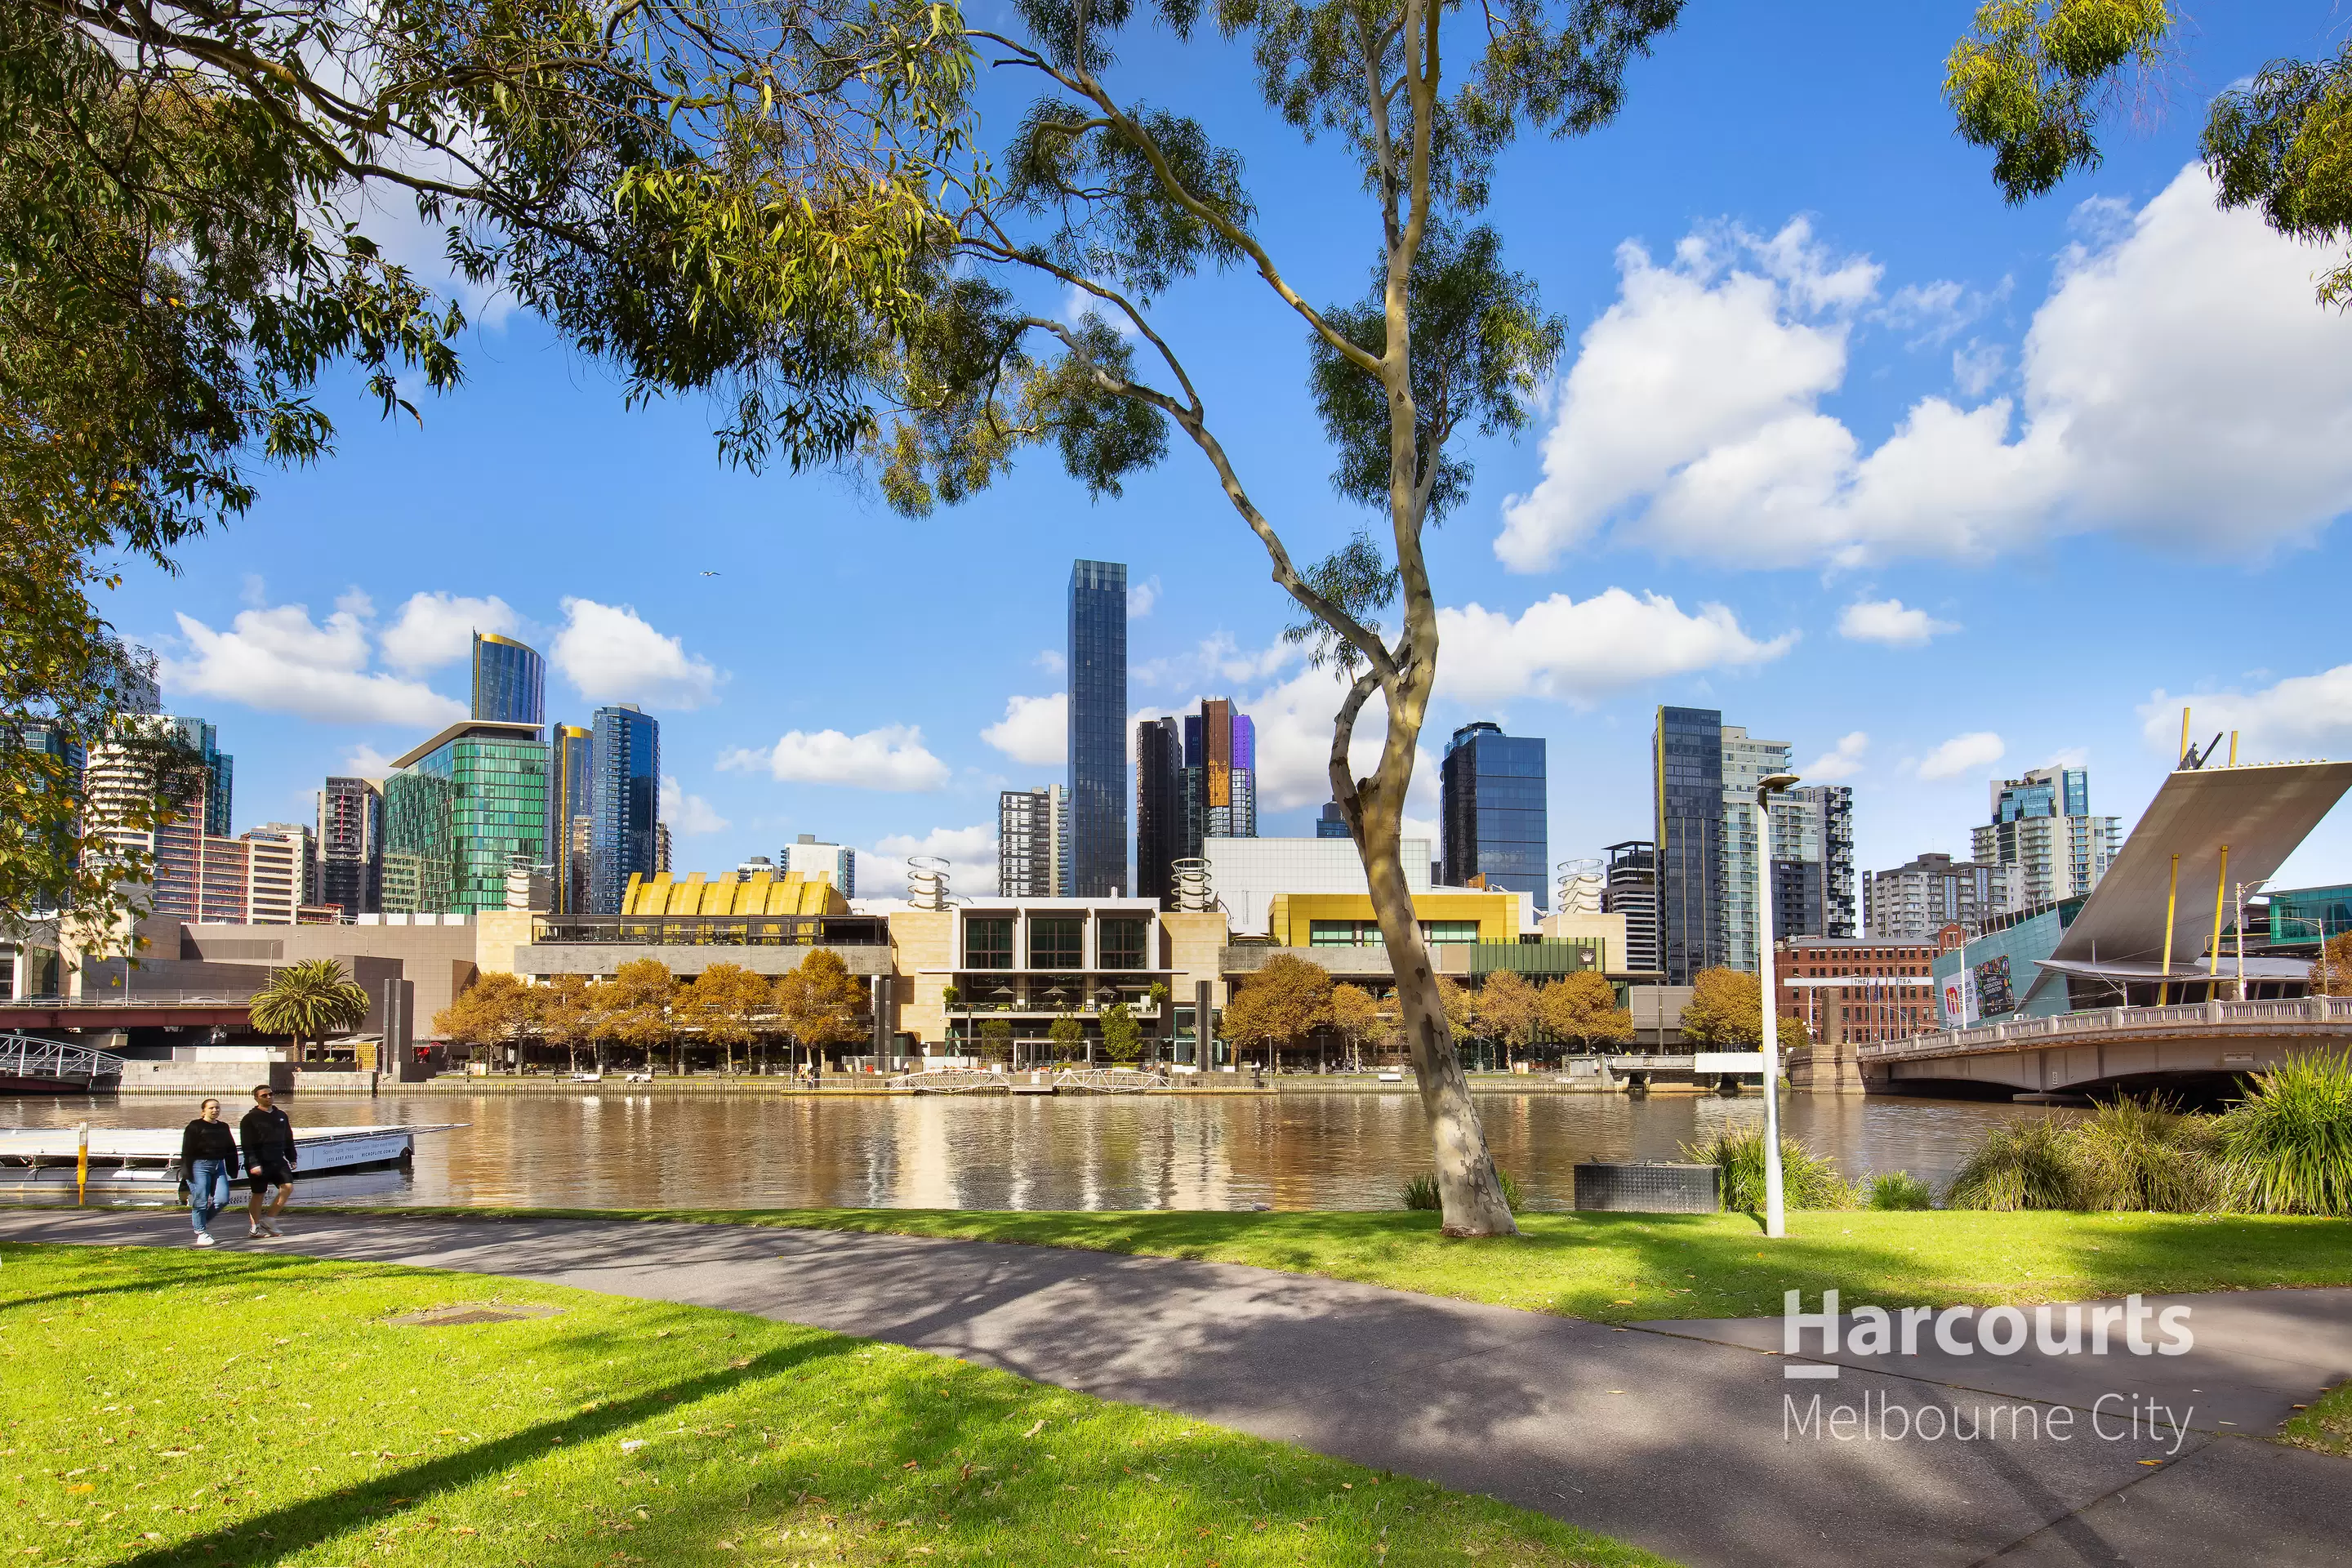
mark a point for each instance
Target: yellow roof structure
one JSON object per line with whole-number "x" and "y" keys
{"x": 760, "y": 893}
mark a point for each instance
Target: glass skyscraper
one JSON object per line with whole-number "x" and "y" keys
{"x": 570, "y": 789}
{"x": 1098, "y": 670}
{"x": 350, "y": 845}
{"x": 1493, "y": 813}
{"x": 1220, "y": 781}
{"x": 460, "y": 810}
{"x": 509, "y": 681}
{"x": 625, "y": 804}
{"x": 1159, "y": 808}
{"x": 1687, "y": 758}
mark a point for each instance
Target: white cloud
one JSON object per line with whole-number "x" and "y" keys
{"x": 970, "y": 852}
{"x": 1977, "y": 366}
{"x": 364, "y": 762}
{"x": 1293, "y": 724}
{"x": 1889, "y": 621}
{"x": 1051, "y": 660}
{"x": 688, "y": 814}
{"x": 1962, "y": 753}
{"x": 2069, "y": 757}
{"x": 1141, "y": 596}
{"x": 1217, "y": 658}
{"x": 1077, "y": 305}
{"x": 610, "y": 654}
{"x": 2179, "y": 386}
{"x": 1843, "y": 762}
{"x": 434, "y": 629}
{"x": 2299, "y": 717}
{"x": 1035, "y": 730}
{"x": 1936, "y": 312}
{"x": 891, "y": 758}
{"x": 1580, "y": 650}
{"x": 280, "y": 661}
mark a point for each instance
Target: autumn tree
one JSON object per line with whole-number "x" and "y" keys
{"x": 1581, "y": 1009}
{"x": 495, "y": 1010}
{"x": 567, "y": 1010}
{"x": 1355, "y": 1018}
{"x": 728, "y": 1005}
{"x": 2331, "y": 972}
{"x": 2032, "y": 80}
{"x": 821, "y": 1004}
{"x": 1724, "y": 1012}
{"x": 1465, "y": 1014}
{"x": 1281, "y": 1005}
{"x": 634, "y": 1008}
{"x": 1512, "y": 1009}
{"x": 1107, "y": 200}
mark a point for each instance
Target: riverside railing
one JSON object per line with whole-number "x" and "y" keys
{"x": 2322, "y": 1014}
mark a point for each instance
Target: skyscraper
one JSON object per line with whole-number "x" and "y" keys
{"x": 1159, "y": 808}
{"x": 1098, "y": 671}
{"x": 1686, "y": 759}
{"x": 2042, "y": 823}
{"x": 1333, "y": 823}
{"x": 1032, "y": 842}
{"x": 813, "y": 857}
{"x": 1493, "y": 813}
{"x": 509, "y": 681}
{"x": 220, "y": 773}
{"x": 1913, "y": 902}
{"x": 1631, "y": 890}
{"x": 1747, "y": 762}
{"x": 571, "y": 805}
{"x": 1219, "y": 784}
{"x": 624, "y": 802}
{"x": 351, "y": 847}
{"x": 463, "y": 806}
{"x": 1812, "y": 862}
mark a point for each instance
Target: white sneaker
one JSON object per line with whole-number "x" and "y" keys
{"x": 253, "y": 1233}
{"x": 270, "y": 1229}
{"x": 204, "y": 1238}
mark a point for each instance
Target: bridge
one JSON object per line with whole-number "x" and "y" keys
{"x": 1069, "y": 1080}
{"x": 29, "y": 1066}
{"x": 2135, "y": 1048}
{"x": 144, "y": 1010}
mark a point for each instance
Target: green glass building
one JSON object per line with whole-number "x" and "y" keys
{"x": 462, "y": 807}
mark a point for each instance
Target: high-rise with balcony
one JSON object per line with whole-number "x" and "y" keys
{"x": 1160, "y": 828}
{"x": 1913, "y": 902}
{"x": 1630, "y": 887}
{"x": 1098, "y": 734}
{"x": 1492, "y": 811}
{"x": 2042, "y": 824}
{"x": 625, "y": 803}
{"x": 1812, "y": 862}
{"x": 509, "y": 681}
{"x": 351, "y": 847}
{"x": 1032, "y": 842}
{"x": 1687, "y": 763}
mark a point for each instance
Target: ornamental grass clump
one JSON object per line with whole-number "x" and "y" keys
{"x": 1899, "y": 1190}
{"x": 2145, "y": 1156}
{"x": 2026, "y": 1164}
{"x": 2286, "y": 1147}
{"x": 1807, "y": 1180}
{"x": 1419, "y": 1192}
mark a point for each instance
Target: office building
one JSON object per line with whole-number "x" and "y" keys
{"x": 809, "y": 856}
{"x": 1747, "y": 762}
{"x": 1333, "y": 823}
{"x": 463, "y": 805}
{"x": 1812, "y": 862}
{"x": 623, "y": 803}
{"x": 350, "y": 847}
{"x": 2303, "y": 916}
{"x": 1160, "y": 834}
{"x": 1246, "y": 875}
{"x": 1630, "y": 887}
{"x": 661, "y": 846}
{"x": 1032, "y": 842}
{"x": 1914, "y": 901}
{"x": 1686, "y": 761}
{"x": 2042, "y": 823}
{"x": 280, "y": 866}
{"x": 1220, "y": 774}
{"x": 571, "y": 795}
{"x": 509, "y": 681}
{"x": 119, "y": 788}
{"x": 1492, "y": 811}
{"x": 1098, "y": 674}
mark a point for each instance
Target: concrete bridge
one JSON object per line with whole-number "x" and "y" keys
{"x": 2141, "y": 1050}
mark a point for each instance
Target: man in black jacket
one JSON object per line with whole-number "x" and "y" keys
{"x": 267, "y": 1138}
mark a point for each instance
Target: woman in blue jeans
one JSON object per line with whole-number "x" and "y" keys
{"x": 207, "y": 1156}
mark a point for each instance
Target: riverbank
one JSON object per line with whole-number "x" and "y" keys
{"x": 1622, "y": 1268}
{"x": 846, "y": 1085}
{"x": 614, "y": 1430}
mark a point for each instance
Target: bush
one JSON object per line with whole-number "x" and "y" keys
{"x": 2025, "y": 1165}
{"x": 1807, "y": 1180}
{"x": 2145, "y": 1156}
{"x": 1899, "y": 1190}
{"x": 2286, "y": 1147}
{"x": 1420, "y": 1191}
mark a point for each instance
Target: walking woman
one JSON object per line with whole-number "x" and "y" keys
{"x": 207, "y": 1156}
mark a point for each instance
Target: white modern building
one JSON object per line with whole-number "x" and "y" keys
{"x": 812, "y": 857}
{"x": 1033, "y": 837}
{"x": 1246, "y": 873}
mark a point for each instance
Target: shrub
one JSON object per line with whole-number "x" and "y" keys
{"x": 1419, "y": 1192}
{"x": 1807, "y": 1180}
{"x": 2025, "y": 1165}
{"x": 2145, "y": 1156}
{"x": 2286, "y": 1147}
{"x": 1899, "y": 1190}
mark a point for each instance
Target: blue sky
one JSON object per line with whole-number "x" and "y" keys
{"x": 1934, "y": 489}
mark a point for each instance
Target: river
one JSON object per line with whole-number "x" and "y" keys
{"x": 604, "y": 1149}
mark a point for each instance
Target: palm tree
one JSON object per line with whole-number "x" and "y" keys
{"x": 311, "y": 998}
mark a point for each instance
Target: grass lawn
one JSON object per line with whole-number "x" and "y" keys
{"x": 1626, "y": 1267}
{"x": 2326, "y": 1425}
{"x": 186, "y": 1407}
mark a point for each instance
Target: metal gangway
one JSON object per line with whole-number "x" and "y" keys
{"x": 28, "y": 1057}
{"x": 1107, "y": 1080}
{"x": 951, "y": 1080}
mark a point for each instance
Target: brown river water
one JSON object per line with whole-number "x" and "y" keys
{"x": 600, "y": 1147}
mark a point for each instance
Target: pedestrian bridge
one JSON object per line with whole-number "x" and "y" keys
{"x": 2135, "y": 1048}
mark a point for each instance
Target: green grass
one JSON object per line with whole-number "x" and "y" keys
{"x": 181, "y": 1407}
{"x": 2326, "y": 1425}
{"x": 1624, "y": 1268}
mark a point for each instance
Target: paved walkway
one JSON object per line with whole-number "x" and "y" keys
{"x": 1676, "y": 1435}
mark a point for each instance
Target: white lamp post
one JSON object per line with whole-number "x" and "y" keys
{"x": 1775, "y": 1224}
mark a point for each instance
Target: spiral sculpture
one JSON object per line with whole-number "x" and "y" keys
{"x": 1580, "y": 883}
{"x": 926, "y": 882}
{"x": 1195, "y": 893}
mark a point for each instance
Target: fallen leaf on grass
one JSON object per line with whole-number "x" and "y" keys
{"x": 1040, "y": 1426}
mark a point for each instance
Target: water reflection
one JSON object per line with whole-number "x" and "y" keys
{"x": 1290, "y": 1150}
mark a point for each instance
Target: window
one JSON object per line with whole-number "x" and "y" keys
{"x": 1342, "y": 934}
{"x": 1122, "y": 944}
{"x": 988, "y": 944}
{"x": 1449, "y": 930}
{"x": 1058, "y": 942}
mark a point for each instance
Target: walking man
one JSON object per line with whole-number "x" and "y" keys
{"x": 269, "y": 1141}
{"x": 207, "y": 1158}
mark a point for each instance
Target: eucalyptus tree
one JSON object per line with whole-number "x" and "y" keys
{"x": 1102, "y": 193}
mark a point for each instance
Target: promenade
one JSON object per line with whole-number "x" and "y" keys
{"x": 1676, "y": 1435}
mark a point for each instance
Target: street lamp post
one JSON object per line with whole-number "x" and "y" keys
{"x": 1774, "y": 1224}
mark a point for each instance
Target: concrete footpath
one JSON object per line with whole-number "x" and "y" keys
{"x": 1681, "y": 1436}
